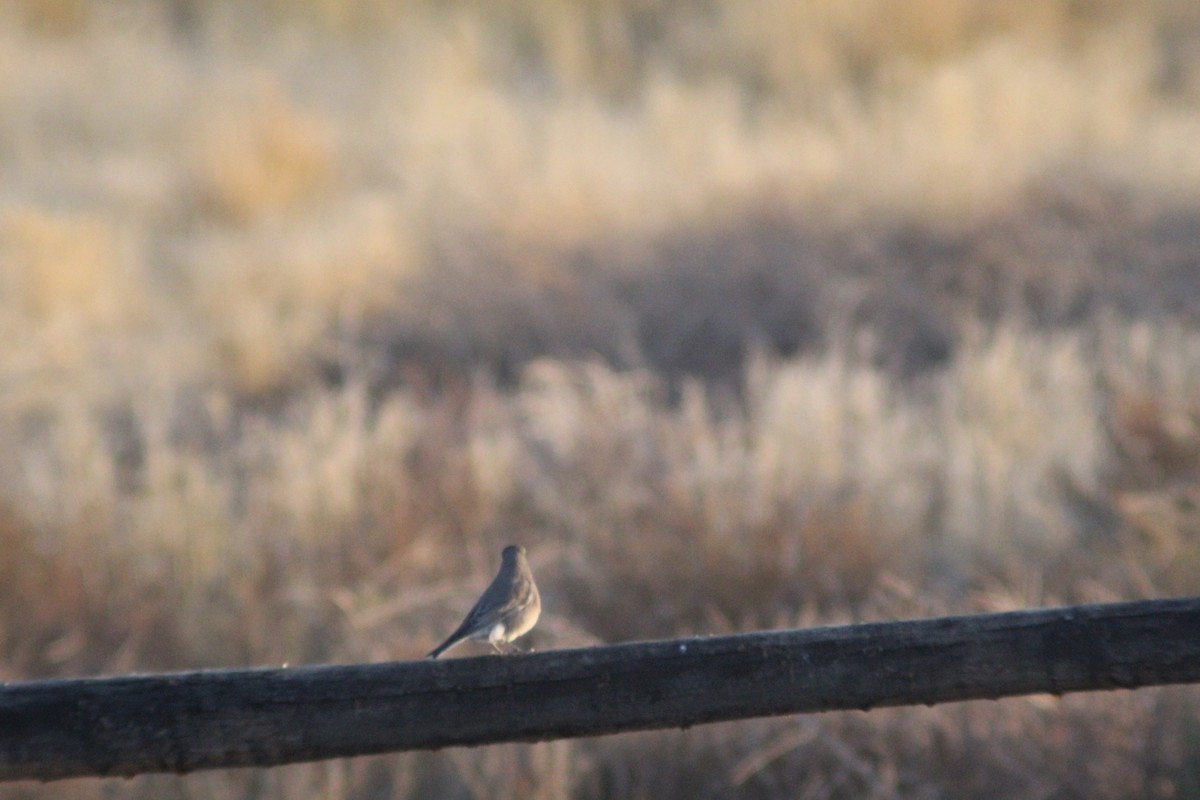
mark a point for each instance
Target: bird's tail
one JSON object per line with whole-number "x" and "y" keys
{"x": 442, "y": 648}
{"x": 455, "y": 638}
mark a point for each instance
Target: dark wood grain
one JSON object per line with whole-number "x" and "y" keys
{"x": 260, "y": 717}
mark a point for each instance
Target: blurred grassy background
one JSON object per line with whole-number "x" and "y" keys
{"x": 737, "y": 314}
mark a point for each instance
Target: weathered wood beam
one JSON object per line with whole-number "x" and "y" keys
{"x": 261, "y": 717}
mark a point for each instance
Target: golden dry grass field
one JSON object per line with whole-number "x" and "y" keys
{"x": 737, "y": 313}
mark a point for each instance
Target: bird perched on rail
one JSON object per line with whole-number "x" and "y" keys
{"x": 507, "y": 609}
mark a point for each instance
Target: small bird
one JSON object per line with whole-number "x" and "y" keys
{"x": 507, "y": 609}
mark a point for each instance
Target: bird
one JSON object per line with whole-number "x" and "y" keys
{"x": 508, "y": 608}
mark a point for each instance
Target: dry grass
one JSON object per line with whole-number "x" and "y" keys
{"x": 739, "y": 315}
{"x": 321, "y": 533}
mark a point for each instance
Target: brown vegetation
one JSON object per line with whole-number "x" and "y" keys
{"x": 737, "y": 315}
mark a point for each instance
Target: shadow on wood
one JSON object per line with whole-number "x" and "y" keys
{"x": 261, "y": 717}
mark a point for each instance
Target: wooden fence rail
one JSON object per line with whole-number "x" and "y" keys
{"x": 260, "y": 717}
